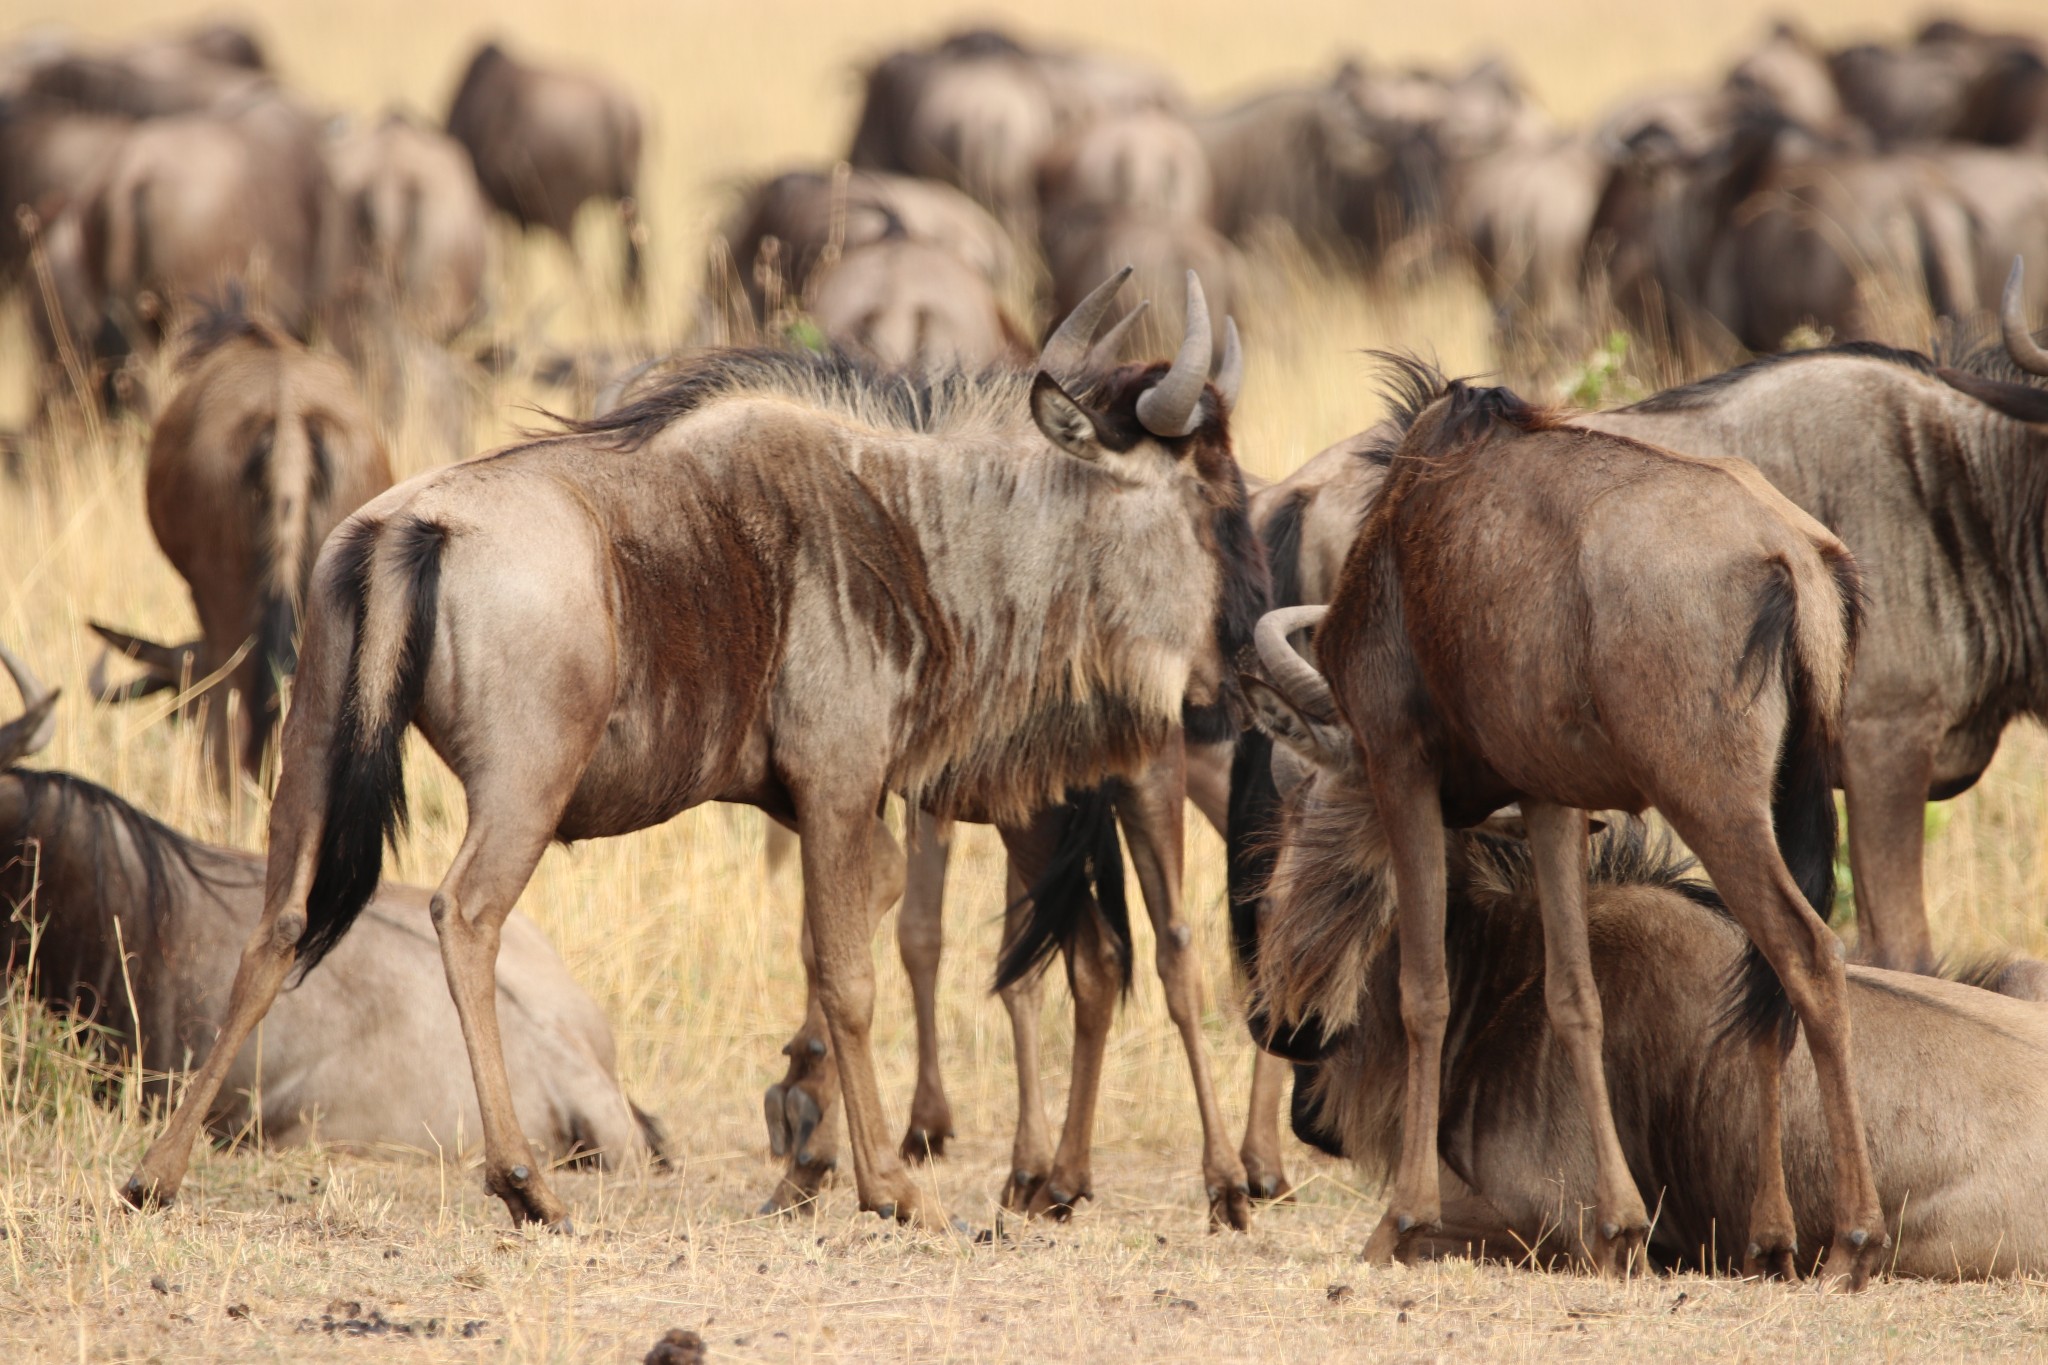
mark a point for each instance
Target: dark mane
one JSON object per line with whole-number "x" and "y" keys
{"x": 1411, "y": 385}
{"x": 1699, "y": 393}
{"x": 913, "y": 401}
{"x": 221, "y": 321}
{"x": 158, "y": 848}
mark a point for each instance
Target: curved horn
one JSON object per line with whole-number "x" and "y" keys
{"x": 2012, "y": 315}
{"x": 1109, "y": 345}
{"x": 1296, "y": 678}
{"x": 37, "y": 724}
{"x": 1230, "y": 374}
{"x": 1066, "y": 350}
{"x": 1170, "y": 407}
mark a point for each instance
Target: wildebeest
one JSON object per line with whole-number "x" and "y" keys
{"x": 980, "y": 110}
{"x": 1161, "y": 251}
{"x": 543, "y": 141}
{"x": 418, "y": 219}
{"x": 788, "y": 225}
{"x": 910, "y": 304}
{"x": 1148, "y": 161}
{"x": 1930, "y": 474}
{"x": 1593, "y": 697}
{"x": 131, "y": 925}
{"x": 1945, "y": 1071}
{"x": 1951, "y": 82}
{"x": 779, "y": 580}
{"x": 260, "y": 454}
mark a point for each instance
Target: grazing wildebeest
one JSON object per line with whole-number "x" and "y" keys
{"x": 1946, "y": 1072}
{"x": 980, "y": 110}
{"x": 418, "y": 218}
{"x": 131, "y": 925}
{"x": 780, "y": 580}
{"x": 788, "y": 225}
{"x": 261, "y": 453}
{"x": 1302, "y": 156}
{"x": 543, "y": 141}
{"x": 909, "y": 304}
{"x": 1931, "y": 475}
{"x": 1148, "y": 161}
{"x": 1618, "y": 667}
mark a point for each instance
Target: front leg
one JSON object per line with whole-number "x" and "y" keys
{"x": 852, "y": 873}
{"x": 1886, "y": 768}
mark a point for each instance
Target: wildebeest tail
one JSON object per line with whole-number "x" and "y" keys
{"x": 1249, "y": 849}
{"x": 390, "y": 578}
{"x": 1804, "y": 633}
{"x": 288, "y": 476}
{"x": 1088, "y": 857}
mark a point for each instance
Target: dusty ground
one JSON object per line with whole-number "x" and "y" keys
{"x": 317, "y": 1254}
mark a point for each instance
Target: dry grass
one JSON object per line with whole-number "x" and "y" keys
{"x": 694, "y": 956}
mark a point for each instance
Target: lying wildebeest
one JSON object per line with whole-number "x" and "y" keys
{"x": 1616, "y": 671}
{"x": 1928, "y": 474}
{"x": 261, "y": 453}
{"x": 787, "y": 225}
{"x": 1945, "y": 1071}
{"x": 909, "y": 304}
{"x": 980, "y": 110}
{"x": 131, "y": 925}
{"x": 418, "y": 218}
{"x": 780, "y": 580}
{"x": 543, "y": 141}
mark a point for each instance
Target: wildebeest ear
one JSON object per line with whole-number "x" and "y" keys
{"x": 1317, "y": 742}
{"x": 1065, "y": 423}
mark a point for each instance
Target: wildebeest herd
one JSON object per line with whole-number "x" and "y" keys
{"x": 862, "y": 536}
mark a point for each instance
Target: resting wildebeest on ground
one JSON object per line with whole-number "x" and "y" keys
{"x": 1623, "y": 661}
{"x": 1933, "y": 476}
{"x": 543, "y": 141}
{"x": 253, "y": 462}
{"x": 131, "y": 925}
{"x": 780, "y": 580}
{"x": 1947, "y": 1073}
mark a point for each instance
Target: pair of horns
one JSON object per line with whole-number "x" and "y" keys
{"x": 1173, "y": 405}
{"x": 36, "y": 726}
{"x": 2026, "y": 352}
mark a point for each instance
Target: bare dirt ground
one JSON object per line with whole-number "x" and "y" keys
{"x": 317, "y": 1254}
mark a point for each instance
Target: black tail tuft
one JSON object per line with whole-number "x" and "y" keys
{"x": 1282, "y": 534}
{"x": 277, "y": 656}
{"x": 1089, "y": 856}
{"x": 366, "y": 770}
{"x": 1802, "y": 800}
{"x": 1306, "y": 1117}
{"x": 1248, "y": 843}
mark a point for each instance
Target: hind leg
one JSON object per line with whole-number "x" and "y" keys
{"x": 1745, "y": 864}
{"x": 920, "y": 937}
{"x": 1557, "y": 838}
{"x": 1264, "y": 1172}
{"x": 1151, "y": 810}
{"x": 1031, "y": 1147}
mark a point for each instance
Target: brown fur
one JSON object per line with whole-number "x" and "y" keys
{"x": 418, "y": 219}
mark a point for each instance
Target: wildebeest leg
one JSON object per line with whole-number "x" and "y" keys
{"x": 920, "y": 937}
{"x": 1209, "y": 782}
{"x": 1031, "y": 1149}
{"x": 1557, "y": 841}
{"x": 852, "y": 865}
{"x": 1151, "y": 810}
{"x": 779, "y": 846}
{"x": 803, "y": 1122}
{"x": 1886, "y": 768}
{"x": 1263, "y": 1168}
{"x": 1773, "y": 1245}
{"x": 1406, "y": 792}
{"x": 1744, "y": 863}
{"x": 266, "y": 959}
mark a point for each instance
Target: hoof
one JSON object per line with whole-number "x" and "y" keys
{"x": 804, "y": 1118}
{"x": 1619, "y": 1252}
{"x": 141, "y": 1194}
{"x": 1020, "y": 1189}
{"x": 1390, "y": 1238}
{"x": 1231, "y": 1207}
{"x": 1270, "y": 1189}
{"x": 921, "y": 1145}
{"x": 777, "y": 1117}
{"x": 1773, "y": 1258}
{"x": 1853, "y": 1259}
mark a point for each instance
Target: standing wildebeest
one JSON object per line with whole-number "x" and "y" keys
{"x": 1947, "y": 1074}
{"x": 418, "y": 218}
{"x": 780, "y": 580}
{"x": 789, "y": 225}
{"x": 1934, "y": 476}
{"x": 543, "y": 141}
{"x": 1617, "y": 665}
{"x": 252, "y": 463}
{"x": 131, "y": 925}
{"x": 908, "y": 304}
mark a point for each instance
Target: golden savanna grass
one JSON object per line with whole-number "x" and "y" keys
{"x": 694, "y": 955}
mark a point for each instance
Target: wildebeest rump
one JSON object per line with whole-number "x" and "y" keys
{"x": 134, "y": 927}
{"x": 781, "y": 580}
{"x": 1643, "y": 616}
{"x": 1945, "y": 1071}
{"x": 418, "y": 220}
{"x": 258, "y": 456}
{"x": 543, "y": 141}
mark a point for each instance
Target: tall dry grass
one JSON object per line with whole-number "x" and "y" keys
{"x": 676, "y": 931}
